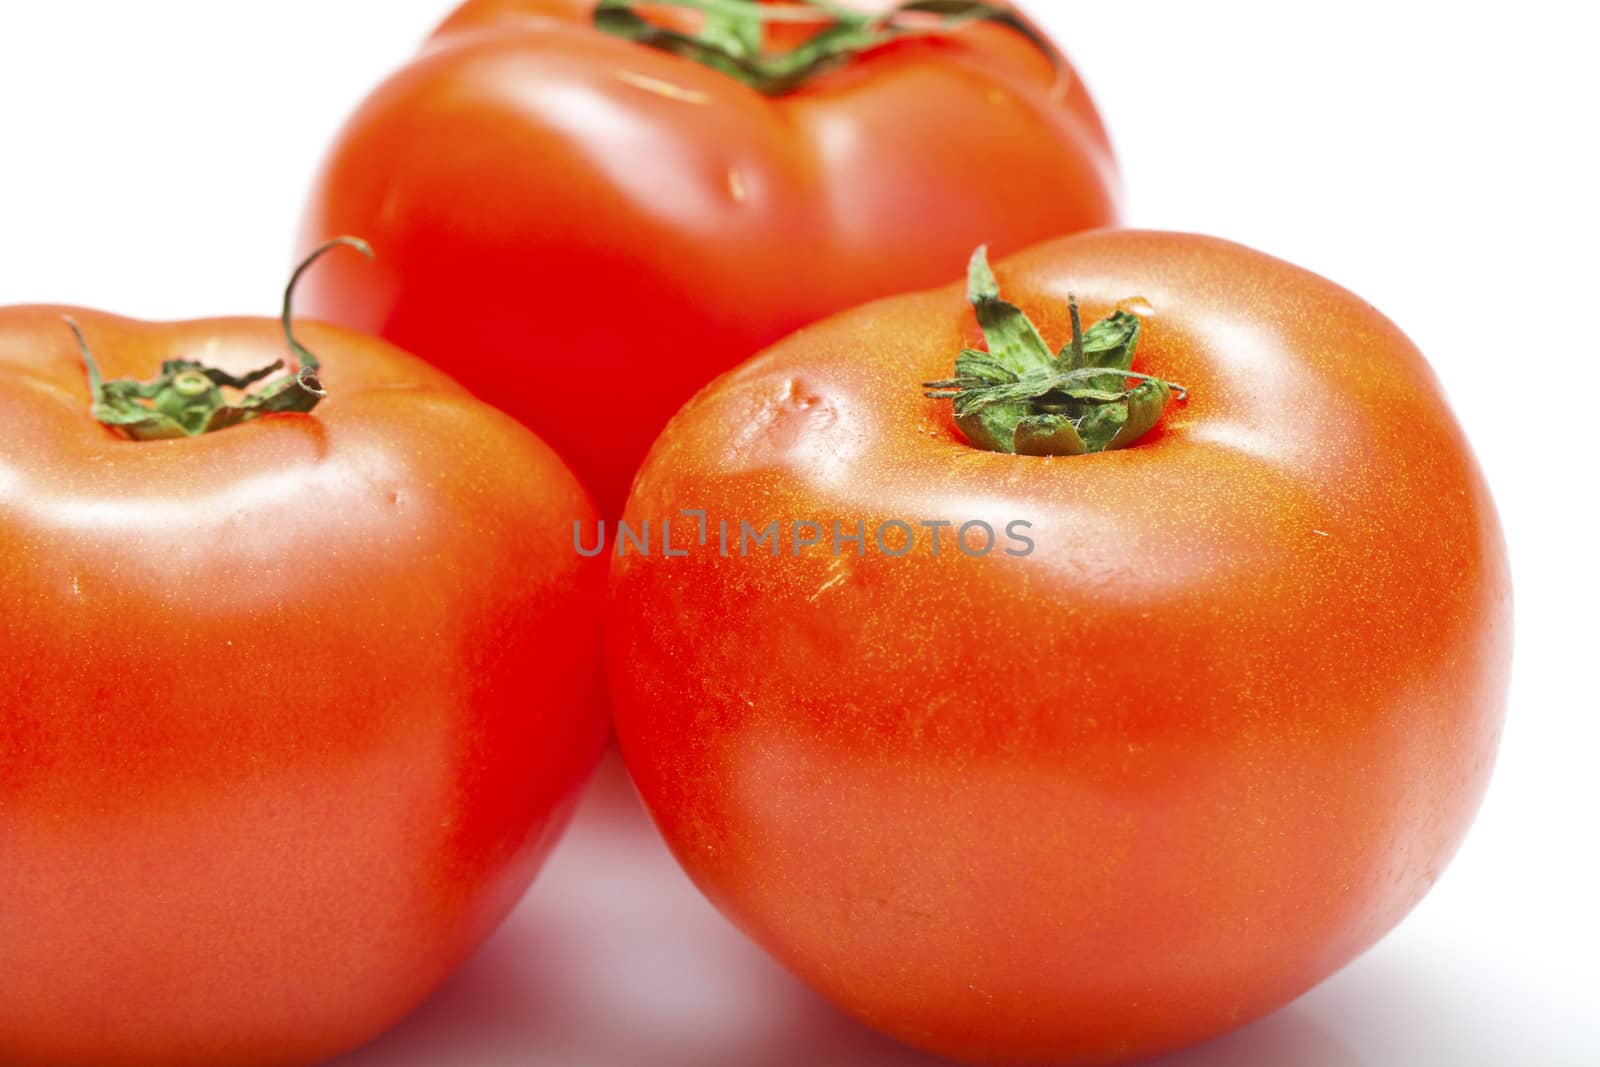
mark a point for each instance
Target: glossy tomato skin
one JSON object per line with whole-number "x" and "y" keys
{"x": 294, "y": 710}
{"x": 563, "y": 215}
{"x": 1211, "y": 739}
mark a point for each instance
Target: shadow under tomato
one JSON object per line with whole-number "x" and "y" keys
{"x": 1290, "y": 1036}
{"x": 615, "y": 958}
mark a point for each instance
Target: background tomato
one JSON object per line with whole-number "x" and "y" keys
{"x": 294, "y": 709}
{"x": 564, "y": 216}
{"x": 1212, "y": 739}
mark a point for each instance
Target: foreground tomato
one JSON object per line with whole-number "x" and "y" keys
{"x": 1206, "y": 720}
{"x": 294, "y": 709}
{"x": 585, "y": 229}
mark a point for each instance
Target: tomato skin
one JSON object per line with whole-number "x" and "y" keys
{"x": 295, "y": 709}
{"x": 1211, "y": 740}
{"x": 561, "y": 214}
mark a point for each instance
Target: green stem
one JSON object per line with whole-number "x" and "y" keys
{"x": 1018, "y": 398}
{"x": 96, "y": 381}
{"x": 1077, "y": 329}
{"x": 309, "y": 364}
{"x": 797, "y": 12}
{"x": 732, "y": 35}
{"x": 187, "y": 398}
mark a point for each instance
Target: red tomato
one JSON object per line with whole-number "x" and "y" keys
{"x": 294, "y": 709}
{"x": 584, "y": 230}
{"x": 1211, "y": 738}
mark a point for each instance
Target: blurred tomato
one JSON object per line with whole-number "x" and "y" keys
{"x": 585, "y": 229}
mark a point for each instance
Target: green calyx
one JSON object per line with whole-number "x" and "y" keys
{"x": 1020, "y": 398}
{"x": 732, "y": 34}
{"x": 188, "y": 397}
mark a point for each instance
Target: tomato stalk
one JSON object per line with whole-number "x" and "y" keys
{"x": 1019, "y": 397}
{"x": 731, "y": 37}
{"x": 187, "y": 398}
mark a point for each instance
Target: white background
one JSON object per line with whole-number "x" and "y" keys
{"x": 1438, "y": 159}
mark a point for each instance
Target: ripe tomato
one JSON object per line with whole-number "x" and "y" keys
{"x": 294, "y": 709}
{"x": 584, "y": 229}
{"x": 1217, "y": 732}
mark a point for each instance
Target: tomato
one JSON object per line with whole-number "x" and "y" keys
{"x": 294, "y": 708}
{"x": 585, "y": 229}
{"x": 1206, "y": 719}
